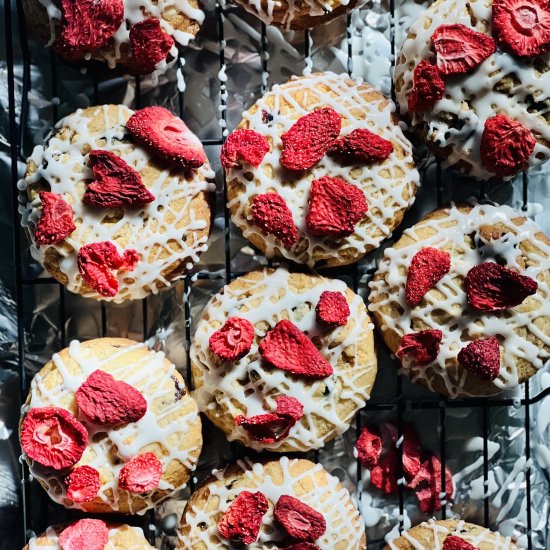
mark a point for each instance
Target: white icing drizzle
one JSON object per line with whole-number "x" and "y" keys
{"x": 325, "y": 494}
{"x": 254, "y": 386}
{"x": 463, "y": 323}
{"x": 154, "y": 378}
{"x": 385, "y": 184}
{"x": 63, "y": 166}
{"x": 471, "y": 98}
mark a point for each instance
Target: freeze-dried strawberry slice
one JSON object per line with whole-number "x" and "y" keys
{"x": 233, "y": 340}
{"x": 149, "y": 44}
{"x": 493, "y": 287}
{"x": 410, "y": 452}
{"x": 460, "y": 49}
{"x": 522, "y": 26}
{"x": 116, "y": 183}
{"x": 271, "y": 214}
{"x": 453, "y": 542}
{"x": 56, "y": 222}
{"x": 87, "y": 25}
{"x": 91, "y": 534}
{"x": 335, "y": 207}
{"x": 289, "y": 406}
{"x": 422, "y": 346}
{"x": 384, "y": 475}
{"x": 241, "y": 522}
{"x": 301, "y": 546}
{"x": 109, "y": 402}
{"x": 244, "y": 147}
{"x": 506, "y": 146}
{"x": 299, "y": 520}
{"x": 428, "y": 266}
{"x": 288, "y": 348}
{"x": 428, "y": 88}
{"x": 167, "y": 136}
{"x": 481, "y": 357}
{"x": 97, "y": 261}
{"x": 309, "y": 138}
{"x": 369, "y": 448}
{"x": 332, "y": 309}
{"x": 427, "y": 485}
{"x": 52, "y": 437}
{"x": 141, "y": 474}
{"x": 83, "y": 484}
{"x": 363, "y": 147}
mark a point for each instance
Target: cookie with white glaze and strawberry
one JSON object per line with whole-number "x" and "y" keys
{"x": 472, "y": 79}
{"x": 117, "y": 203}
{"x": 319, "y": 171}
{"x": 282, "y": 361}
{"x": 109, "y": 426}
{"x": 463, "y": 299}
{"x": 287, "y": 503}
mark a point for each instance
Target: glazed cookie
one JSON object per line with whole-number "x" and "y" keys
{"x": 451, "y": 534}
{"x": 463, "y": 299}
{"x": 472, "y": 78}
{"x": 319, "y": 171}
{"x": 91, "y": 534}
{"x": 116, "y": 203}
{"x": 282, "y": 361}
{"x": 109, "y": 426}
{"x": 140, "y": 36}
{"x": 290, "y": 503}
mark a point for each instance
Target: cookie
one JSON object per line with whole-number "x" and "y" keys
{"x": 322, "y": 511}
{"x": 111, "y": 216}
{"x": 462, "y": 298}
{"x": 318, "y": 171}
{"x": 475, "y": 88}
{"x": 282, "y": 361}
{"x": 109, "y": 426}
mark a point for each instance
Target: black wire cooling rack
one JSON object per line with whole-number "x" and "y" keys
{"x": 37, "y": 511}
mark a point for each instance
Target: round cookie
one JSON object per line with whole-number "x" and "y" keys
{"x": 472, "y": 238}
{"x": 252, "y": 385}
{"x": 169, "y": 24}
{"x": 431, "y": 535}
{"x": 497, "y": 82}
{"x": 167, "y": 234}
{"x": 297, "y": 478}
{"x": 388, "y": 186}
{"x": 168, "y": 428}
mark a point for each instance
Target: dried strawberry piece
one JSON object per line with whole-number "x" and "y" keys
{"x": 52, "y": 437}
{"x": 244, "y": 147}
{"x": 422, "y": 346}
{"x": 384, "y": 475}
{"x": 233, "y": 340}
{"x": 116, "y": 183}
{"x": 482, "y": 357}
{"x": 149, "y": 44}
{"x": 369, "y": 448}
{"x": 506, "y": 146}
{"x": 493, "y": 287}
{"x": 96, "y": 262}
{"x": 335, "y": 207}
{"x": 428, "y": 88}
{"x": 332, "y": 309}
{"x": 241, "y": 522}
{"x": 271, "y": 214}
{"x": 87, "y": 25}
{"x": 299, "y": 520}
{"x": 452, "y": 542}
{"x": 522, "y": 26}
{"x": 91, "y": 534}
{"x": 428, "y": 266}
{"x": 141, "y": 474}
{"x": 362, "y": 146}
{"x": 460, "y": 49}
{"x": 289, "y": 406}
{"x": 309, "y": 138}
{"x": 427, "y": 485}
{"x": 167, "y": 136}
{"x": 411, "y": 452}
{"x": 301, "y": 546}
{"x": 56, "y": 222}
{"x": 109, "y": 402}
{"x": 83, "y": 484}
{"x": 287, "y": 348}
